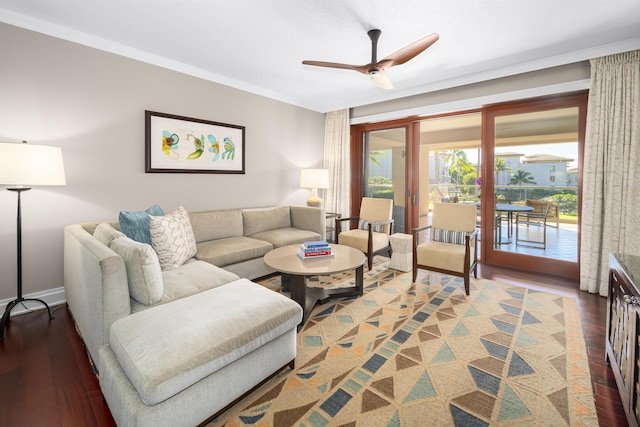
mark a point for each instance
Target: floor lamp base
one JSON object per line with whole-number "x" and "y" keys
{"x": 6, "y": 317}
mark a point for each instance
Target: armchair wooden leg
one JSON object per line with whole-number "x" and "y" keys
{"x": 466, "y": 284}
{"x": 369, "y": 261}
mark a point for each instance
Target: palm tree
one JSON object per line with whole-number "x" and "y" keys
{"x": 374, "y": 157}
{"x": 521, "y": 177}
{"x": 457, "y": 161}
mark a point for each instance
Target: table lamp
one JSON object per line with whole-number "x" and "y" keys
{"x": 24, "y": 165}
{"x": 314, "y": 179}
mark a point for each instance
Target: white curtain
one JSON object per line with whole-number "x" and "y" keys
{"x": 336, "y": 160}
{"x": 611, "y": 173}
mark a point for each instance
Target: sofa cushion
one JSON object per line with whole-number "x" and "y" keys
{"x": 286, "y": 236}
{"x": 232, "y": 250}
{"x": 190, "y": 278}
{"x": 105, "y": 233}
{"x": 143, "y": 269}
{"x": 136, "y": 224}
{"x": 162, "y": 356}
{"x": 211, "y": 225}
{"x": 263, "y": 219}
{"x": 172, "y": 238}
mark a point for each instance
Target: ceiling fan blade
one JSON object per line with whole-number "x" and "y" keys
{"x": 359, "y": 68}
{"x": 381, "y": 79}
{"x": 409, "y": 52}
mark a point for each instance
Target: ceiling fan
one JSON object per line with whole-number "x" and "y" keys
{"x": 377, "y": 69}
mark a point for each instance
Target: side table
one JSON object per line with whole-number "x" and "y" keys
{"x": 401, "y": 251}
{"x": 331, "y": 237}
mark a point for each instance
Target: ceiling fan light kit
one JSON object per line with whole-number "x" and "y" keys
{"x": 377, "y": 69}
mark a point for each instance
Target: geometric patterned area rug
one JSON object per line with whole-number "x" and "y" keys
{"x": 424, "y": 353}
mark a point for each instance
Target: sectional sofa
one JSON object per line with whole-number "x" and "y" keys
{"x": 175, "y": 345}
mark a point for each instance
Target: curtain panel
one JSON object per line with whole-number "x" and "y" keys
{"x": 336, "y": 160}
{"x": 611, "y": 171}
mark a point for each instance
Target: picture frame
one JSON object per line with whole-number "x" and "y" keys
{"x": 178, "y": 144}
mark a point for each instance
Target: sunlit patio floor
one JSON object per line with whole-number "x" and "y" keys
{"x": 562, "y": 242}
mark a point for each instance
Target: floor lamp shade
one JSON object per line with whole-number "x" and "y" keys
{"x": 314, "y": 179}
{"x": 22, "y": 166}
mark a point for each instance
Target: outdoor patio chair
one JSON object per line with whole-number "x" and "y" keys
{"x": 537, "y": 217}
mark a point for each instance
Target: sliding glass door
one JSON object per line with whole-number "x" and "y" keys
{"x": 385, "y": 155}
{"x": 518, "y": 162}
{"x": 534, "y": 152}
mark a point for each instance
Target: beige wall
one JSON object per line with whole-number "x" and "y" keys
{"x": 91, "y": 103}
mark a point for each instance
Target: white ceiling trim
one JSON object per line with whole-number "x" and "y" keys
{"x": 474, "y": 103}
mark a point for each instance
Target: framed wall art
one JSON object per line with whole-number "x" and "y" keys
{"x": 176, "y": 144}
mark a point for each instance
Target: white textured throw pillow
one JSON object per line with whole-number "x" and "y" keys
{"x": 105, "y": 233}
{"x": 172, "y": 238}
{"x": 143, "y": 269}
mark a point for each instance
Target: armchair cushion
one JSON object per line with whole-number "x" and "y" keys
{"x": 358, "y": 239}
{"x": 448, "y": 236}
{"x": 441, "y": 255}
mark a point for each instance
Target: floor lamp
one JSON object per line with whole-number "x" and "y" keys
{"x": 24, "y": 165}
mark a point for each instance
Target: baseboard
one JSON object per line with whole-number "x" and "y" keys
{"x": 53, "y": 297}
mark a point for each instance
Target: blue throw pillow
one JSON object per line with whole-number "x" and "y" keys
{"x": 135, "y": 225}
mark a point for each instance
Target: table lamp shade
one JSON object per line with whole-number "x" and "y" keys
{"x": 23, "y": 164}
{"x": 314, "y": 179}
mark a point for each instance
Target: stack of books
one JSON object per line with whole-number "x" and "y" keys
{"x": 313, "y": 250}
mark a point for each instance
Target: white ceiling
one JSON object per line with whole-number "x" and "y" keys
{"x": 258, "y": 45}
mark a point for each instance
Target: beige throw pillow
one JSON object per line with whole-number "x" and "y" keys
{"x": 172, "y": 238}
{"x": 143, "y": 270}
{"x": 105, "y": 233}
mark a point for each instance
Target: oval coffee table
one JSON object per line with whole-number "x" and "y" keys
{"x": 295, "y": 271}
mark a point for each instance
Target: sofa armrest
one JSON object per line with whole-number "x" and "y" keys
{"x": 309, "y": 218}
{"x": 96, "y": 287}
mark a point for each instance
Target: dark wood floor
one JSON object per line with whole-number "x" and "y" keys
{"x": 46, "y": 379}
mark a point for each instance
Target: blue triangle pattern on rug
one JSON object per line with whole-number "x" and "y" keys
{"x": 496, "y": 350}
{"x": 422, "y": 389}
{"x": 464, "y": 419}
{"x": 460, "y": 331}
{"x": 394, "y": 421}
{"x": 512, "y": 406}
{"x": 485, "y": 381}
{"x": 445, "y": 354}
{"x": 472, "y": 312}
{"x": 529, "y": 319}
{"x": 524, "y": 339}
{"x": 516, "y": 295}
{"x": 327, "y": 311}
{"x": 510, "y": 309}
{"x": 519, "y": 367}
{"x": 507, "y": 328}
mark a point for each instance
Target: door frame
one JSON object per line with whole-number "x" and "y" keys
{"x": 490, "y": 255}
{"x": 411, "y": 124}
{"x": 357, "y": 164}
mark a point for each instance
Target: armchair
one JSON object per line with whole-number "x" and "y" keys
{"x": 452, "y": 246}
{"x": 375, "y": 225}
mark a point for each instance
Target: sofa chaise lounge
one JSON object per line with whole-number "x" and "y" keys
{"x": 210, "y": 337}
